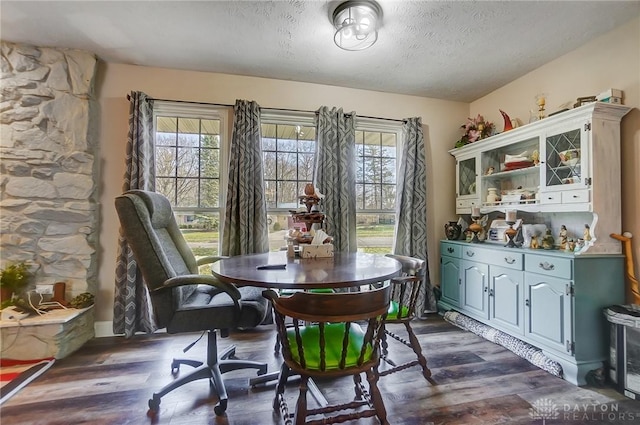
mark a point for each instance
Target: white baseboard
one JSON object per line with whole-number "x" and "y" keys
{"x": 103, "y": 329}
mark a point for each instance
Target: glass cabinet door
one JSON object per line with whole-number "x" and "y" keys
{"x": 467, "y": 177}
{"x": 564, "y": 158}
{"x": 510, "y": 174}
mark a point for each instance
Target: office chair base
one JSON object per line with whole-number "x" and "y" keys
{"x": 212, "y": 370}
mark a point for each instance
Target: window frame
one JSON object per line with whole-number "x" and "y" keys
{"x": 279, "y": 117}
{"x": 382, "y": 125}
{"x": 165, "y": 108}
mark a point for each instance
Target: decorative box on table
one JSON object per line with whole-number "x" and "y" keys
{"x": 317, "y": 251}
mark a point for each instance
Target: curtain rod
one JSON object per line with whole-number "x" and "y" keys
{"x": 273, "y": 109}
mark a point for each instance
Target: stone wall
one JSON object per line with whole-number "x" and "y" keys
{"x": 48, "y": 169}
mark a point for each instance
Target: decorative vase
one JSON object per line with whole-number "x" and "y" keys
{"x": 492, "y": 197}
{"x": 452, "y": 230}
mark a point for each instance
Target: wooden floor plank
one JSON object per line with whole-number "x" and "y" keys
{"x": 110, "y": 380}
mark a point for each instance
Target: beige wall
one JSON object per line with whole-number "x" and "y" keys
{"x": 611, "y": 61}
{"x": 441, "y": 120}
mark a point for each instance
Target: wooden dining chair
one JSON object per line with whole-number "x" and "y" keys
{"x": 404, "y": 295}
{"x": 289, "y": 292}
{"x": 321, "y": 338}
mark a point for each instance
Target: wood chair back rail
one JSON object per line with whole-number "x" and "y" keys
{"x": 406, "y": 289}
{"x": 343, "y": 348}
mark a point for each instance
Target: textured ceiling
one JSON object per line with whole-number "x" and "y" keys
{"x": 455, "y": 50}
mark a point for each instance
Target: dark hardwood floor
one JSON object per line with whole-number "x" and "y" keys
{"x": 109, "y": 381}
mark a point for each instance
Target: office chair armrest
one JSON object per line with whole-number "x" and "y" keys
{"x": 209, "y": 259}
{"x": 201, "y": 279}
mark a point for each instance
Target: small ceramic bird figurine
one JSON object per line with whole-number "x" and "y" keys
{"x": 507, "y": 121}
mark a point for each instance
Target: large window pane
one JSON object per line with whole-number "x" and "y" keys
{"x": 210, "y": 193}
{"x": 187, "y": 195}
{"x": 375, "y": 190}
{"x": 289, "y": 154}
{"x": 287, "y": 195}
{"x": 188, "y": 162}
{"x": 287, "y": 166}
{"x": 188, "y": 152}
{"x": 167, "y": 187}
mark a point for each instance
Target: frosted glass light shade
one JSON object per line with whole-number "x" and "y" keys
{"x": 356, "y": 24}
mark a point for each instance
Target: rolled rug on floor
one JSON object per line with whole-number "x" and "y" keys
{"x": 527, "y": 351}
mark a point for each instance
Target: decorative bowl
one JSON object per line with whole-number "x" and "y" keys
{"x": 570, "y": 157}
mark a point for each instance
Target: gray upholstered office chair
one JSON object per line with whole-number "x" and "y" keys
{"x": 182, "y": 299}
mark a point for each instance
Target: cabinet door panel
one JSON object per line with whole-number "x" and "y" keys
{"x": 548, "y": 312}
{"x": 505, "y": 298}
{"x": 450, "y": 278}
{"x": 474, "y": 288}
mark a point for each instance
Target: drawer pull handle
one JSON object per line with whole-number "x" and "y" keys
{"x": 547, "y": 266}
{"x": 470, "y": 253}
{"x": 450, "y": 250}
{"x": 509, "y": 260}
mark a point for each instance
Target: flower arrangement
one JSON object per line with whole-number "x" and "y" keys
{"x": 475, "y": 129}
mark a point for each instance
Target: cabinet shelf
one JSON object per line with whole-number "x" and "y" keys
{"x": 522, "y": 202}
{"x": 511, "y": 173}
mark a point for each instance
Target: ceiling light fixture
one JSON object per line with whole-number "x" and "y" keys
{"x": 356, "y": 23}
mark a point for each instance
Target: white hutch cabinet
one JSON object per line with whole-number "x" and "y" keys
{"x": 588, "y": 180}
{"x": 554, "y": 300}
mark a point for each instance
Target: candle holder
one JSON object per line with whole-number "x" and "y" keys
{"x": 511, "y": 234}
{"x": 541, "y": 101}
{"x": 476, "y": 228}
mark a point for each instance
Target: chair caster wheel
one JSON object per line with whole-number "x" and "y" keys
{"x": 175, "y": 368}
{"x": 154, "y": 405}
{"x": 220, "y": 408}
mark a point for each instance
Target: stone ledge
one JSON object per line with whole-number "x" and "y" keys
{"x": 57, "y": 334}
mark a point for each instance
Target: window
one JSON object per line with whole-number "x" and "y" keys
{"x": 288, "y": 152}
{"x": 189, "y": 146}
{"x": 376, "y": 164}
{"x": 288, "y": 143}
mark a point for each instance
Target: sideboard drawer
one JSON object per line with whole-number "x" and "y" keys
{"x": 550, "y": 198}
{"x": 575, "y": 196}
{"x": 472, "y": 253}
{"x": 507, "y": 259}
{"x": 450, "y": 249}
{"x": 552, "y": 266}
{"x": 466, "y": 204}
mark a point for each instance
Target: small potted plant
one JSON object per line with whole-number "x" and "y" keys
{"x": 14, "y": 279}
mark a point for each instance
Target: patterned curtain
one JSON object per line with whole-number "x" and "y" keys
{"x": 245, "y": 226}
{"x": 335, "y": 176}
{"x": 132, "y": 310}
{"x": 411, "y": 206}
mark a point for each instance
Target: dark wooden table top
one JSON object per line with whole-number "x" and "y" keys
{"x": 341, "y": 271}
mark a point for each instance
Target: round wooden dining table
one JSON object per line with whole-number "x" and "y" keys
{"x": 343, "y": 270}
